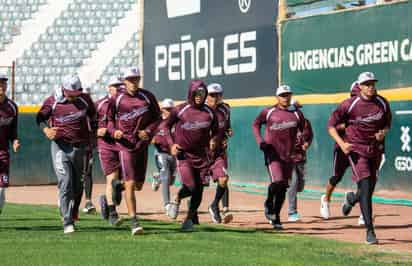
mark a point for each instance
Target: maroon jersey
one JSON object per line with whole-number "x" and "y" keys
{"x": 303, "y": 136}
{"x": 8, "y": 123}
{"x": 161, "y": 138}
{"x": 194, "y": 125}
{"x": 75, "y": 120}
{"x": 131, "y": 113}
{"x": 281, "y": 128}
{"x": 363, "y": 119}
{"x": 223, "y": 119}
{"x": 102, "y": 109}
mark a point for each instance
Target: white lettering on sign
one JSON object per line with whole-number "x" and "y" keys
{"x": 403, "y": 164}
{"x": 176, "y": 59}
{"x": 405, "y": 139}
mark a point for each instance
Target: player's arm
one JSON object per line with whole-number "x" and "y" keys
{"x": 307, "y": 134}
{"x": 257, "y": 126}
{"x": 380, "y": 135}
{"x": 150, "y": 130}
{"x": 111, "y": 120}
{"x": 170, "y": 122}
{"x": 339, "y": 117}
{"x": 43, "y": 116}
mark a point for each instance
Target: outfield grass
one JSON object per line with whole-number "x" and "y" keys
{"x": 32, "y": 235}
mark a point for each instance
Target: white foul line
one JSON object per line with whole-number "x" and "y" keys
{"x": 404, "y": 112}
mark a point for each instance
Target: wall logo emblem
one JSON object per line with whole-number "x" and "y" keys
{"x": 180, "y": 8}
{"x": 406, "y": 139}
{"x": 244, "y": 5}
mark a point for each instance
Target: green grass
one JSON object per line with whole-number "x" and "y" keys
{"x": 32, "y": 235}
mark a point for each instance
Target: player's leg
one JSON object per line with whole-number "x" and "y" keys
{"x": 156, "y": 176}
{"x": 195, "y": 200}
{"x": 220, "y": 176}
{"x": 63, "y": 170}
{"x": 293, "y": 215}
{"x": 340, "y": 164}
{"x": 112, "y": 214}
{"x": 77, "y": 161}
{"x": 165, "y": 173}
{"x": 88, "y": 182}
{"x": 4, "y": 177}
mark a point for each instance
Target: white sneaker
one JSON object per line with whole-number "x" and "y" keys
{"x": 324, "y": 208}
{"x": 294, "y": 217}
{"x": 138, "y": 230}
{"x": 68, "y": 229}
{"x": 361, "y": 221}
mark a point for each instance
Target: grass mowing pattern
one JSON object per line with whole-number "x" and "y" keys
{"x": 33, "y": 235}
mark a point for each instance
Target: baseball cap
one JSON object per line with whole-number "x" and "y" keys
{"x": 132, "y": 72}
{"x": 114, "y": 81}
{"x": 72, "y": 85}
{"x": 214, "y": 88}
{"x": 168, "y": 103}
{"x": 283, "y": 89}
{"x": 366, "y": 76}
{"x": 3, "y": 77}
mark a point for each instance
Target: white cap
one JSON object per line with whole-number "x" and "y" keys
{"x": 3, "y": 77}
{"x": 168, "y": 103}
{"x": 132, "y": 72}
{"x": 72, "y": 82}
{"x": 215, "y": 88}
{"x": 283, "y": 89}
{"x": 115, "y": 81}
{"x": 366, "y": 76}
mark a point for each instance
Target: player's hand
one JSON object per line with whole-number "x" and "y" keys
{"x": 346, "y": 147}
{"x": 305, "y": 146}
{"x": 101, "y": 132}
{"x": 230, "y": 132}
{"x": 50, "y": 132}
{"x": 224, "y": 144}
{"x": 175, "y": 149}
{"x": 212, "y": 144}
{"x": 118, "y": 134}
{"x": 380, "y": 135}
{"x": 16, "y": 145}
{"x": 142, "y": 134}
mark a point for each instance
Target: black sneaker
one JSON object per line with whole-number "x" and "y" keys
{"x": 348, "y": 203}
{"x": 277, "y": 225}
{"x": 195, "y": 218}
{"x": 114, "y": 219}
{"x": 104, "y": 207}
{"x": 371, "y": 237}
{"x": 215, "y": 214}
{"x": 136, "y": 228}
{"x": 117, "y": 188}
{"x": 89, "y": 208}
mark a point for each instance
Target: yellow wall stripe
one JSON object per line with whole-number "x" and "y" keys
{"x": 402, "y": 94}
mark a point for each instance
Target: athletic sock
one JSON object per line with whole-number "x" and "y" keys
{"x": 112, "y": 210}
{"x": 279, "y": 199}
{"x": 220, "y": 191}
{"x": 225, "y": 198}
{"x": 366, "y": 187}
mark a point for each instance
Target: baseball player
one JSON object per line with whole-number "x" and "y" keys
{"x": 8, "y": 134}
{"x": 133, "y": 118}
{"x": 65, "y": 120}
{"x": 367, "y": 118}
{"x": 195, "y": 125}
{"x": 340, "y": 164}
{"x": 282, "y": 124}
{"x": 165, "y": 162}
{"x": 303, "y": 141}
{"x": 218, "y": 169}
{"x": 88, "y": 170}
{"x": 108, "y": 152}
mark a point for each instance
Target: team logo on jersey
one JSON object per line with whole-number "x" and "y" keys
{"x": 196, "y": 125}
{"x": 134, "y": 113}
{"x": 71, "y": 117}
{"x": 5, "y": 121}
{"x": 369, "y": 118}
{"x": 283, "y": 125}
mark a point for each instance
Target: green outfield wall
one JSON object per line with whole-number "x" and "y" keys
{"x": 323, "y": 54}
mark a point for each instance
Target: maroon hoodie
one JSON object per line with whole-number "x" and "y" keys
{"x": 363, "y": 118}
{"x": 281, "y": 129}
{"x": 131, "y": 113}
{"x": 303, "y": 136}
{"x": 102, "y": 109}
{"x": 75, "y": 120}
{"x": 222, "y": 112}
{"x": 8, "y": 123}
{"x": 194, "y": 125}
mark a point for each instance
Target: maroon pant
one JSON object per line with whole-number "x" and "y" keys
{"x": 133, "y": 165}
{"x": 279, "y": 170}
{"x": 109, "y": 160}
{"x": 363, "y": 167}
{"x": 218, "y": 168}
